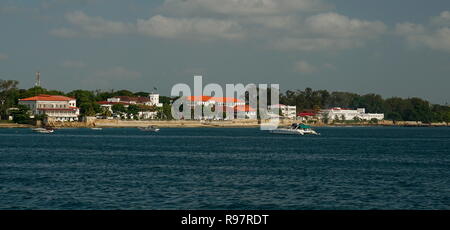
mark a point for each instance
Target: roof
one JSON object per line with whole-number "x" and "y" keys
{"x": 216, "y": 99}
{"x": 112, "y": 103}
{"x": 306, "y": 114}
{"x": 45, "y": 97}
{"x": 136, "y": 99}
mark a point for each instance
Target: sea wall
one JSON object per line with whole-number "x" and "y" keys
{"x": 14, "y": 125}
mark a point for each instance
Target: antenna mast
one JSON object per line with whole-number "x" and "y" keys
{"x": 38, "y": 79}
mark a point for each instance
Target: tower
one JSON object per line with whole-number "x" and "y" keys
{"x": 38, "y": 79}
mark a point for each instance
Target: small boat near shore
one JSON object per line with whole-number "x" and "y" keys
{"x": 296, "y": 129}
{"x": 151, "y": 128}
{"x": 96, "y": 128}
{"x": 43, "y": 130}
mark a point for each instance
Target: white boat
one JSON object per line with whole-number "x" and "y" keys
{"x": 43, "y": 130}
{"x": 149, "y": 129}
{"x": 96, "y": 128}
{"x": 295, "y": 129}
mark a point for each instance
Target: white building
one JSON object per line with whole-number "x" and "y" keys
{"x": 59, "y": 108}
{"x": 151, "y": 100}
{"x": 240, "y": 111}
{"x": 154, "y": 100}
{"x": 286, "y": 110}
{"x": 338, "y": 113}
{"x": 217, "y": 101}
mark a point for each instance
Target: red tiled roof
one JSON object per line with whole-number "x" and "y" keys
{"x": 216, "y": 99}
{"x": 44, "y": 97}
{"x": 136, "y": 99}
{"x": 306, "y": 114}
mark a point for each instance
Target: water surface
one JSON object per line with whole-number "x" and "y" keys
{"x": 225, "y": 168}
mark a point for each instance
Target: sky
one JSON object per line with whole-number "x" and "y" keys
{"x": 390, "y": 47}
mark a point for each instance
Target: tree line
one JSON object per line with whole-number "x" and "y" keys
{"x": 395, "y": 108}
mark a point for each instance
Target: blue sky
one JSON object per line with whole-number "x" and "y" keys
{"x": 394, "y": 48}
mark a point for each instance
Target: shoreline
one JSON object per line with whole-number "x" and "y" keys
{"x": 211, "y": 124}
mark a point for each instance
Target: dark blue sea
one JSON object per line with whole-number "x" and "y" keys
{"x": 225, "y": 168}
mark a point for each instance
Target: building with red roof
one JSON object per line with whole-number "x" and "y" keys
{"x": 56, "y": 107}
{"x": 240, "y": 111}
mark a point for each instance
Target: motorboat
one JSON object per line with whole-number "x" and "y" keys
{"x": 43, "y": 130}
{"x": 96, "y": 128}
{"x": 151, "y": 128}
{"x": 296, "y": 129}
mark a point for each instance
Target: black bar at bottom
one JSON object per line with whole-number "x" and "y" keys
{"x": 221, "y": 219}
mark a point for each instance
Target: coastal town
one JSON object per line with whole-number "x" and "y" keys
{"x": 126, "y": 109}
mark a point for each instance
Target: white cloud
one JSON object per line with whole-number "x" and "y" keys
{"x": 438, "y": 40}
{"x": 340, "y": 26}
{"x": 3, "y": 56}
{"x": 442, "y": 20}
{"x": 315, "y": 44}
{"x": 330, "y": 31}
{"x": 409, "y": 29}
{"x": 73, "y": 64}
{"x": 199, "y": 28}
{"x": 91, "y": 26}
{"x": 277, "y": 23}
{"x": 274, "y": 21}
{"x": 435, "y": 35}
{"x": 242, "y": 7}
{"x": 304, "y": 67}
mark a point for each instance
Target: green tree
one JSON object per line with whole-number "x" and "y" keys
{"x": 118, "y": 109}
{"x": 22, "y": 115}
{"x": 133, "y": 110}
{"x": 87, "y": 109}
{"x": 141, "y": 94}
{"x": 8, "y": 89}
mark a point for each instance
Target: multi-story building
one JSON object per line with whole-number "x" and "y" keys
{"x": 151, "y": 100}
{"x": 58, "y": 108}
{"x": 222, "y": 104}
{"x": 286, "y": 110}
{"x": 217, "y": 101}
{"x": 338, "y": 113}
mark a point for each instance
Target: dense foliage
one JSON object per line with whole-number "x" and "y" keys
{"x": 398, "y": 109}
{"x": 409, "y": 109}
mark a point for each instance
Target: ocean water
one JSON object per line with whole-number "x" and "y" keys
{"x": 225, "y": 168}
